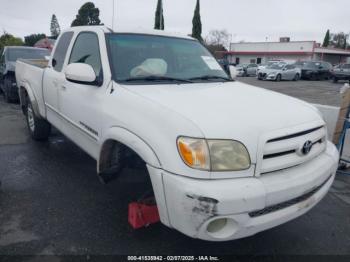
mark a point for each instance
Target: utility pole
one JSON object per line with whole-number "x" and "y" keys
{"x": 113, "y": 1}
{"x": 161, "y": 15}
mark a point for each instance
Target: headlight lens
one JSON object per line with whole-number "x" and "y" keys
{"x": 194, "y": 152}
{"x": 213, "y": 155}
{"x": 228, "y": 155}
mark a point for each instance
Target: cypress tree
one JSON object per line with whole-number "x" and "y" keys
{"x": 197, "y": 24}
{"x": 327, "y": 39}
{"x": 54, "y": 27}
{"x": 159, "y": 18}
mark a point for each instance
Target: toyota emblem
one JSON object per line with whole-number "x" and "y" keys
{"x": 307, "y": 147}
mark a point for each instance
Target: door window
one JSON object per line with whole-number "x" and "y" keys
{"x": 61, "y": 51}
{"x": 86, "y": 50}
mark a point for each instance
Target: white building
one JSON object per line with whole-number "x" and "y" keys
{"x": 261, "y": 52}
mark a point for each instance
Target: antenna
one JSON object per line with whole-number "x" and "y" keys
{"x": 113, "y": 1}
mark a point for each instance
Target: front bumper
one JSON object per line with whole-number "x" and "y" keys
{"x": 271, "y": 77}
{"x": 240, "y": 73}
{"x": 249, "y": 205}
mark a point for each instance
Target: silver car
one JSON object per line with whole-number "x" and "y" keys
{"x": 246, "y": 69}
{"x": 280, "y": 71}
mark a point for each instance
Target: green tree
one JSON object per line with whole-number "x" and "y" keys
{"x": 54, "y": 27}
{"x": 7, "y": 39}
{"x": 339, "y": 40}
{"x": 197, "y": 24}
{"x": 159, "y": 18}
{"x": 88, "y": 14}
{"x": 327, "y": 39}
{"x": 30, "y": 40}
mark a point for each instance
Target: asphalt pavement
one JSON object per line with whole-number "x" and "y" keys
{"x": 52, "y": 203}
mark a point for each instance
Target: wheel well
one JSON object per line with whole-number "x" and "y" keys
{"x": 23, "y": 94}
{"x": 130, "y": 157}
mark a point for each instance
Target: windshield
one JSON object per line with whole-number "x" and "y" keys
{"x": 32, "y": 53}
{"x": 136, "y": 56}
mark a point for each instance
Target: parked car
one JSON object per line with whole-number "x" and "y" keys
{"x": 341, "y": 72}
{"x": 314, "y": 70}
{"x": 246, "y": 69}
{"x": 269, "y": 63}
{"x": 226, "y": 159}
{"x": 7, "y": 67}
{"x": 280, "y": 71}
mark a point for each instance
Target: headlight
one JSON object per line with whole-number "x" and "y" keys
{"x": 272, "y": 74}
{"x": 213, "y": 155}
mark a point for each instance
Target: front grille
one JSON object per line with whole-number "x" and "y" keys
{"x": 295, "y": 135}
{"x": 288, "y": 203}
{"x": 285, "y": 150}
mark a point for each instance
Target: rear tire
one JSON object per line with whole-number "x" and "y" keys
{"x": 39, "y": 129}
{"x": 7, "y": 87}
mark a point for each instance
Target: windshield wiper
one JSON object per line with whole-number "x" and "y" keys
{"x": 209, "y": 77}
{"x": 157, "y": 78}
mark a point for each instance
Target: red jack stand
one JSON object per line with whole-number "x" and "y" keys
{"x": 143, "y": 213}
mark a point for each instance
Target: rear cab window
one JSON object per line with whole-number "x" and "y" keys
{"x": 61, "y": 51}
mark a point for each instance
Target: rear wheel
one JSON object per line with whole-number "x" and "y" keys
{"x": 7, "y": 89}
{"x": 39, "y": 129}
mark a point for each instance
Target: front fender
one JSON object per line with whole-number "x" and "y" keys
{"x": 131, "y": 140}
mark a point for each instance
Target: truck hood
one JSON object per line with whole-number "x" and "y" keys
{"x": 231, "y": 110}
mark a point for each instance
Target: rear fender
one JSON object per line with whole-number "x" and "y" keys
{"x": 25, "y": 92}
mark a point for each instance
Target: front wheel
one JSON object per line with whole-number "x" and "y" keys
{"x": 39, "y": 129}
{"x": 278, "y": 78}
{"x": 296, "y": 77}
{"x": 335, "y": 80}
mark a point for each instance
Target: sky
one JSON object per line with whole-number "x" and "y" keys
{"x": 245, "y": 20}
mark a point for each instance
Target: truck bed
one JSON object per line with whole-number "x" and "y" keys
{"x": 42, "y": 63}
{"x": 29, "y": 75}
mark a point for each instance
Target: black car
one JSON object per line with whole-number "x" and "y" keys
{"x": 315, "y": 70}
{"x": 7, "y": 67}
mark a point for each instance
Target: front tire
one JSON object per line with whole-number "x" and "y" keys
{"x": 296, "y": 77}
{"x": 335, "y": 80}
{"x": 39, "y": 129}
{"x": 278, "y": 78}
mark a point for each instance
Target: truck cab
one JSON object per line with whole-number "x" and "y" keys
{"x": 226, "y": 159}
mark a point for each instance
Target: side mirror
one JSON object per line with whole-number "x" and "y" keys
{"x": 233, "y": 71}
{"x": 284, "y": 69}
{"x": 80, "y": 73}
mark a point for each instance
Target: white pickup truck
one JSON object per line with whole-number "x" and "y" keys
{"x": 226, "y": 160}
